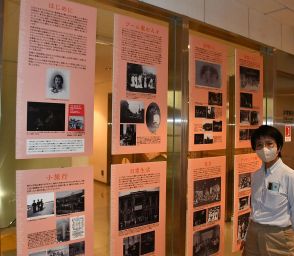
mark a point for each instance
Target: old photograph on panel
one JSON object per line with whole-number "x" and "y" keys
{"x": 42, "y": 116}
{"x": 77, "y": 249}
{"x": 141, "y": 78}
{"x": 200, "y": 111}
{"x": 244, "y": 134}
{"x": 77, "y": 227}
{"x": 61, "y": 250}
{"x": 147, "y": 242}
{"x": 131, "y": 111}
{"x": 127, "y": 135}
{"x": 138, "y": 208}
{"x": 62, "y": 230}
{"x": 208, "y": 74}
{"x": 207, "y": 126}
{"x": 244, "y": 203}
{"x": 199, "y": 217}
{"x": 153, "y": 117}
{"x": 214, "y": 213}
{"x": 199, "y": 138}
{"x": 243, "y": 222}
{"x": 249, "y": 78}
{"x": 210, "y": 112}
{"x": 246, "y": 100}
{"x": 244, "y": 181}
{"x": 206, "y": 242}
{"x": 76, "y": 123}
{"x": 208, "y": 138}
{"x": 70, "y": 201}
{"x": 41, "y": 253}
{"x": 254, "y": 118}
{"x": 217, "y": 126}
{"x": 58, "y": 84}
{"x": 40, "y": 205}
{"x": 244, "y": 117}
{"x": 215, "y": 99}
{"x": 207, "y": 191}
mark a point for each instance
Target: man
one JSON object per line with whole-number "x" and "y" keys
{"x": 270, "y": 231}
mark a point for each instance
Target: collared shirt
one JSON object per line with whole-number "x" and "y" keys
{"x": 272, "y": 196}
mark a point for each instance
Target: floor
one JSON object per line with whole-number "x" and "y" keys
{"x": 101, "y": 227}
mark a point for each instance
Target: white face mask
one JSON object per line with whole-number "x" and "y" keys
{"x": 267, "y": 154}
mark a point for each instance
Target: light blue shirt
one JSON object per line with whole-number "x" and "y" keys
{"x": 272, "y": 196}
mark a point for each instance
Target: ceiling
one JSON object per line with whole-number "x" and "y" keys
{"x": 280, "y": 10}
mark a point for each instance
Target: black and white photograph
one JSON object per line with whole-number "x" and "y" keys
{"x": 147, "y": 242}
{"x": 42, "y": 253}
{"x": 131, "y": 111}
{"x": 77, "y": 227}
{"x": 58, "y": 84}
{"x": 62, "y": 230}
{"x": 208, "y": 74}
{"x": 207, "y": 191}
{"x": 243, "y": 222}
{"x": 244, "y": 117}
{"x": 199, "y": 217}
{"x": 244, "y": 134}
{"x": 244, "y": 203}
{"x": 131, "y": 245}
{"x": 246, "y": 100}
{"x": 206, "y": 242}
{"x": 214, "y": 213}
{"x": 127, "y": 134}
{"x": 42, "y": 116}
{"x": 244, "y": 181}
{"x": 207, "y": 126}
{"x": 153, "y": 117}
{"x": 210, "y": 112}
{"x": 249, "y": 78}
{"x": 215, "y": 99}
{"x": 217, "y": 126}
{"x": 254, "y": 118}
{"x": 141, "y": 78}
{"x": 200, "y": 111}
{"x": 61, "y": 250}
{"x": 76, "y": 123}
{"x": 208, "y": 138}
{"x": 70, "y": 201}
{"x": 40, "y": 205}
{"x": 77, "y": 249}
{"x": 199, "y": 138}
{"x": 138, "y": 208}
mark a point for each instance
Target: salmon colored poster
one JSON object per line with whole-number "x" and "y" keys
{"x": 244, "y": 165}
{"x": 55, "y": 79}
{"x": 138, "y": 194}
{"x": 207, "y": 94}
{"x": 55, "y": 212}
{"x": 139, "y": 105}
{"x": 206, "y": 206}
{"x": 248, "y": 96}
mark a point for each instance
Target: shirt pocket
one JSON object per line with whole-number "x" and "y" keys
{"x": 273, "y": 199}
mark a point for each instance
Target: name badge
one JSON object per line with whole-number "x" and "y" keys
{"x": 273, "y": 186}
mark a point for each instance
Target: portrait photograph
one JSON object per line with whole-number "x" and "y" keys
{"x": 61, "y": 250}
{"x": 58, "y": 84}
{"x": 62, "y": 230}
{"x": 40, "y": 205}
{"x": 77, "y": 249}
{"x": 208, "y": 74}
{"x": 70, "y": 201}
{"x": 131, "y": 111}
{"x": 207, "y": 191}
{"x": 207, "y": 241}
{"x": 127, "y": 134}
{"x": 141, "y": 78}
{"x": 42, "y": 116}
{"x": 200, "y": 111}
{"x": 249, "y": 78}
{"x": 210, "y": 112}
{"x": 153, "y": 117}
{"x": 138, "y": 208}
{"x": 199, "y": 217}
{"x": 215, "y": 99}
{"x": 246, "y": 100}
{"x": 217, "y": 126}
{"x": 244, "y": 203}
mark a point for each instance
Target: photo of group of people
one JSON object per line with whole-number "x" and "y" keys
{"x": 249, "y": 117}
{"x": 245, "y": 134}
{"x": 70, "y": 201}
{"x": 244, "y": 181}
{"x": 139, "y": 244}
{"x": 141, "y": 78}
{"x": 243, "y": 222}
{"x": 58, "y": 84}
{"x": 206, "y": 242}
{"x": 138, "y": 208}
{"x": 40, "y": 205}
{"x": 206, "y": 215}
{"x": 200, "y": 138}
{"x": 205, "y": 112}
{"x": 207, "y": 191}
{"x": 249, "y": 78}
{"x": 74, "y": 249}
{"x": 208, "y": 74}
{"x": 76, "y": 123}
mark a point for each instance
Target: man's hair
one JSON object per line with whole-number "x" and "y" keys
{"x": 267, "y": 131}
